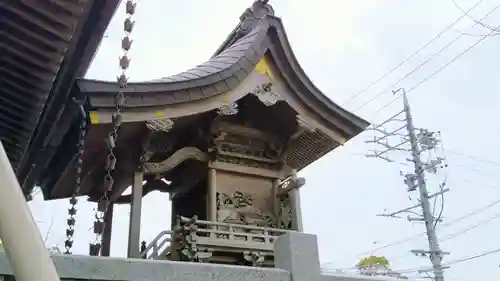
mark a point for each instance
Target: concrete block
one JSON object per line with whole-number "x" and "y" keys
{"x": 298, "y": 254}
{"x": 121, "y": 269}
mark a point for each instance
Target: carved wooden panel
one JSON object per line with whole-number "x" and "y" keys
{"x": 247, "y": 147}
{"x": 244, "y": 199}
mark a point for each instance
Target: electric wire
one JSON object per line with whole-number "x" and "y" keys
{"x": 472, "y": 157}
{"x": 490, "y": 186}
{"x": 456, "y": 220}
{"x": 444, "y": 182}
{"x": 475, "y": 256}
{"x": 412, "y": 55}
{"x": 460, "y": 233}
{"x": 474, "y": 170}
{"x": 469, "y": 228}
{"x": 452, "y": 236}
{"x": 424, "y": 63}
{"x": 435, "y": 72}
{"x": 466, "y": 13}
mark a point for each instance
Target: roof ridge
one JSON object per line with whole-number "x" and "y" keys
{"x": 251, "y": 18}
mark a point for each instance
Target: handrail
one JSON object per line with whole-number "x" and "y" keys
{"x": 156, "y": 245}
{"x": 201, "y": 230}
{"x": 27, "y": 255}
{"x": 240, "y": 226}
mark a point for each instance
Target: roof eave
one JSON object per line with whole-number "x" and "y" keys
{"x": 313, "y": 96}
{"x": 353, "y": 123}
{"x": 82, "y": 52}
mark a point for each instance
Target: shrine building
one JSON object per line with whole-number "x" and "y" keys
{"x": 224, "y": 139}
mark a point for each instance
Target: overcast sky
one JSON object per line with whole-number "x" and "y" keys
{"x": 344, "y": 46}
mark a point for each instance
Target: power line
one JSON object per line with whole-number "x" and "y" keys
{"x": 478, "y": 171}
{"x": 479, "y": 159}
{"x": 466, "y": 13}
{"x": 425, "y": 62}
{"x": 451, "y": 222}
{"x": 412, "y": 55}
{"x": 467, "y": 229}
{"x": 437, "y": 71}
{"x": 491, "y": 186}
{"x": 458, "y": 219}
{"x": 461, "y": 232}
{"x": 476, "y": 256}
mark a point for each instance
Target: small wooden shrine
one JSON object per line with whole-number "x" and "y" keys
{"x": 225, "y": 140}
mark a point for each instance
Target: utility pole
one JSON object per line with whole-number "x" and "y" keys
{"x": 434, "y": 252}
{"x": 419, "y": 143}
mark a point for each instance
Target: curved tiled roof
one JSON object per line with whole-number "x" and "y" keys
{"x": 258, "y": 33}
{"x": 218, "y": 75}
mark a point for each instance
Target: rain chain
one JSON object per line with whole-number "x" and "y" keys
{"x": 103, "y": 203}
{"x": 71, "y": 221}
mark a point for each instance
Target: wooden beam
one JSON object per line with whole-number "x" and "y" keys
{"x": 13, "y": 75}
{"x": 27, "y": 100}
{"x": 48, "y": 11}
{"x": 63, "y": 35}
{"x": 59, "y": 46}
{"x": 28, "y": 61}
{"x": 134, "y": 233}
{"x": 13, "y": 105}
{"x": 70, "y": 6}
{"x": 106, "y": 235}
{"x": 150, "y": 186}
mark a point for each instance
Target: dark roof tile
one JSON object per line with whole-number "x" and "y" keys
{"x": 221, "y": 87}
{"x": 230, "y": 65}
{"x": 209, "y": 91}
{"x": 232, "y": 82}
{"x": 195, "y": 93}
{"x": 181, "y": 96}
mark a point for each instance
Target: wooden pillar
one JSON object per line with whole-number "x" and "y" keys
{"x": 106, "y": 235}
{"x": 294, "y": 196}
{"x": 212, "y": 195}
{"x": 276, "y": 201}
{"x": 134, "y": 233}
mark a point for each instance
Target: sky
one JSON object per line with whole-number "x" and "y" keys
{"x": 344, "y": 46}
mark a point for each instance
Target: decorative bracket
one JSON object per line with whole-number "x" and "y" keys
{"x": 176, "y": 159}
{"x": 229, "y": 109}
{"x": 303, "y": 124}
{"x": 252, "y": 16}
{"x": 160, "y": 125}
{"x": 266, "y": 94}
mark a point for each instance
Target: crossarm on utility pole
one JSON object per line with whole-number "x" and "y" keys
{"x": 23, "y": 244}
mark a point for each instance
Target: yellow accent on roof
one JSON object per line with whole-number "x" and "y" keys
{"x": 263, "y": 67}
{"x": 225, "y": 99}
{"x": 159, "y": 113}
{"x": 94, "y": 117}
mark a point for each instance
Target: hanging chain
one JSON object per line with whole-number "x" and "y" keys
{"x": 71, "y": 221}
{"x": 117, "y": 119}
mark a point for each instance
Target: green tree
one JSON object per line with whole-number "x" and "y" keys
{"x": 377, "y": 266}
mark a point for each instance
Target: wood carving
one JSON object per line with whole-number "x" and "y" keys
{"x": 238, "y": 209}
{"x": 267, "y": 94}
{"x": 229, "y": 109}
{"x": 246, "y": 146}
{"x": 160, "y": 125}
{"x": 285, "y": 213}
{"x": 303, "y": 125}
{"x": 176, "y": 159}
